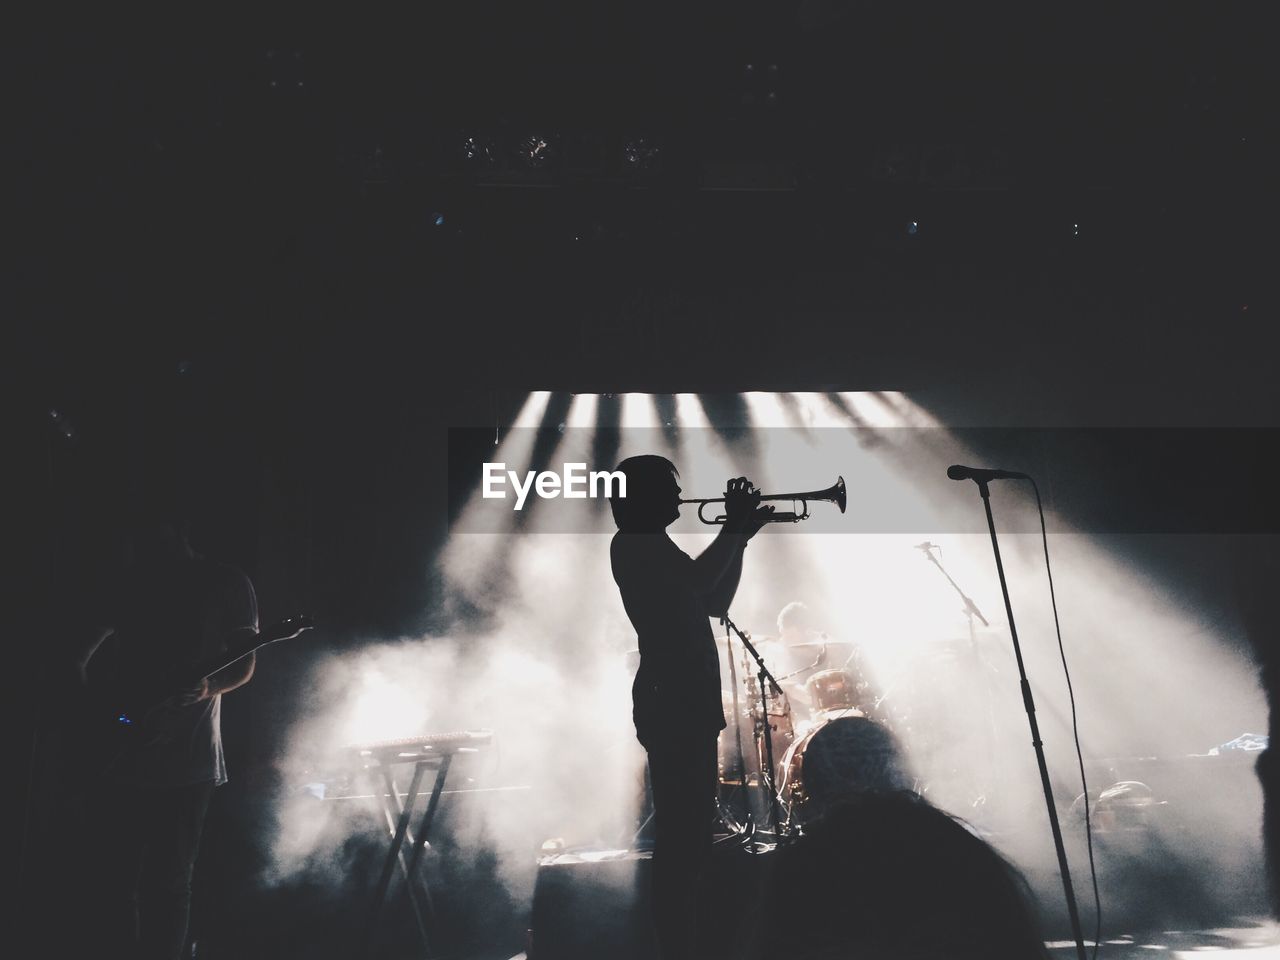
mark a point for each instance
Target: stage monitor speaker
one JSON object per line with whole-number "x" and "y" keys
{"x": 596, "y": 904}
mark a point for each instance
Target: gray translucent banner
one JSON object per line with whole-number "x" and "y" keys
{"x": 555, "y": 479}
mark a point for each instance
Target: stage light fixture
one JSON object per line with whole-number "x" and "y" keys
{"x": 640, "y": 154}
{"x": 478, "y": 151}
{"x": 538, "y": 151}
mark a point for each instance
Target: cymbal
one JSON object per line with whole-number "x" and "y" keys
{"x": 720, "y": 642}
{"x": 820, "y": 644}
{"x": 755, "y": 638}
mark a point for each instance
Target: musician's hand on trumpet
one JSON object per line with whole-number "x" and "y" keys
{"x": 743, "y": 513}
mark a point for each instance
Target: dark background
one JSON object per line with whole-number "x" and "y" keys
{"x": 272, "y": 262}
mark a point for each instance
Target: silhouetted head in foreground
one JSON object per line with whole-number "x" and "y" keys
{"x": 887, "y": 875}
{"x": 653, "y": 495}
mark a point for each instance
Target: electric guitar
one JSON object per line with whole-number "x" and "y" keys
{"x": 138, "y": 715}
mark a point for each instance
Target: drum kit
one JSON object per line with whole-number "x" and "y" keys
{"x": 807, "y": 725}
{"x": 829, "y": 730}
{"x": 835, "y": 730}
{"x": 825, "y": 729}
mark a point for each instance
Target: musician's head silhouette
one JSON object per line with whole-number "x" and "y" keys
{"x": 653, "y": 494}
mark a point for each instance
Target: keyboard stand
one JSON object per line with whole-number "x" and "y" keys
{"x": 398, "y": 815}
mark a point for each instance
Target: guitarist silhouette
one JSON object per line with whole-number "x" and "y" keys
{"x": 176, "y": 635}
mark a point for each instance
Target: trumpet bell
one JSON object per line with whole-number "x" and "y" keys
{"x": 837, "y": 493}
{"x": 833, "y": 494}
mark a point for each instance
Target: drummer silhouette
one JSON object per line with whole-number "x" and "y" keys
{"x": 801, "y": 645}
{"x": 797, "y": 624}
{"x": 795, "y": 652}
{"x": 822, "y": 675}
{"x": 676, "y": 704}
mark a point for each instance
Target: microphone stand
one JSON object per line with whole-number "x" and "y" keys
{"x": 1029, "y": 703}
{"x": 764, "y": 675}
{"x": 971, "y": 612}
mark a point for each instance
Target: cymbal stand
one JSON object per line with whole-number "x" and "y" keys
{"x": 971, "y": 612}
{"x": 766, "y": 680}
{"x": 746, "y": 830}
{"x": 970, "y": 609}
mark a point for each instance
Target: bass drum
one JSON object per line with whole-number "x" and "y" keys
{"x": 837, "y": 759}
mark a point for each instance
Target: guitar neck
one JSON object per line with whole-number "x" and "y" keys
{"x": 277, "y": 631}
{"x": 213, "y": 665}
{"x": 136, "y": 700}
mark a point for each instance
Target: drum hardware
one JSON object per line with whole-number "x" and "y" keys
{"x": 765, "y": 723}
{"x": 734, "y": 771}
{"x": 817, "y": 661}
{"x": 834, "y": 695}
{"x": 972, "y": 614}
{"x": 744, "y": 828}
{"x": 775, "y": 720}
{"x": 970, "y": 609}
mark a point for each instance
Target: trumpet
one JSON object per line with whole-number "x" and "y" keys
{"x": 800, "y": 510}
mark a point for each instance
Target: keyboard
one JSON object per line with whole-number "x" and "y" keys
{"x": 426, "y": 747}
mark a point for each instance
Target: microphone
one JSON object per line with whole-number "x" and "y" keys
{"x": 957, "y": 472}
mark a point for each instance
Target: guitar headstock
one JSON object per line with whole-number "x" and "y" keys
{"x": 286, "y": 629}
